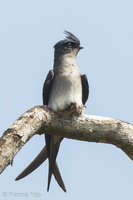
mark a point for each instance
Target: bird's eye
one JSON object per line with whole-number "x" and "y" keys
{"x": 69, "y": 44}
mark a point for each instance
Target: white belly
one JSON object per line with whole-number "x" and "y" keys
{"x": 65, "y": 90}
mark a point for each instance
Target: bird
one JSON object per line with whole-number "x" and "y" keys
{"x": 65, "y": 91}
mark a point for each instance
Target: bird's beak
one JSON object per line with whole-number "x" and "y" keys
{"x": 81, "y": 48}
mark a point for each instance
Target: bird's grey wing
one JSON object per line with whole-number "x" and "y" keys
{"x": 47, "y": 87}
{"x": 51, "y": 146}
{"x": 85, "y": 88}
{"x": 42, "y": 156}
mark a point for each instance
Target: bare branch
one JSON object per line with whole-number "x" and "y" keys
{"x": 40, "y": 119}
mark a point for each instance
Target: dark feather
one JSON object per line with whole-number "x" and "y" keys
{"x": 41, "y": 157}
{"x": 44, "y": 154}
{"x": 52, "y": 148}
{"x": 72, "y": 37}
{"x": 52, "y": 154}
{"x": 47, "y": 87}
{"x": 85, "y": 88}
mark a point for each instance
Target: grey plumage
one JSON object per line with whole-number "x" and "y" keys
{"x": 40, "y": 158}
{"x": 65, "y": 91}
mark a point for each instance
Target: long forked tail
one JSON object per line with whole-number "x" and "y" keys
{"x": 52, "y": 154}
{"x": 41, "y": 157}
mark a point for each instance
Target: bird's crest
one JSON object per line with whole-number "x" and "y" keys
{"x": 72, "y": 37}
{"x": 69, "y": 38}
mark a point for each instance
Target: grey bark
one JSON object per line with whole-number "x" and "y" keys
{"x": 40, "y": 119}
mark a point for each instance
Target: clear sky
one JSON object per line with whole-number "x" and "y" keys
{"x": 28, "y": 32}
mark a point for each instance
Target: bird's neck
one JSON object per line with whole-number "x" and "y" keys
{"x": 65, "y": 60}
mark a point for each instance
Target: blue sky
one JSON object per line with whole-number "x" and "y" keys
{"x": 28, "y": 32}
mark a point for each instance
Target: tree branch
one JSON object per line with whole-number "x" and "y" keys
{"x": 40, "y": 119}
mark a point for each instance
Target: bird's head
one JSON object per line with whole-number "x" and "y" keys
{"x": 71, "y": 45}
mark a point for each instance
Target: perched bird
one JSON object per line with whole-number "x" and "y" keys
{"x": 65, "y": 91}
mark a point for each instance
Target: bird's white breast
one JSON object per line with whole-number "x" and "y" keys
{"x": 66, "y": 89}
